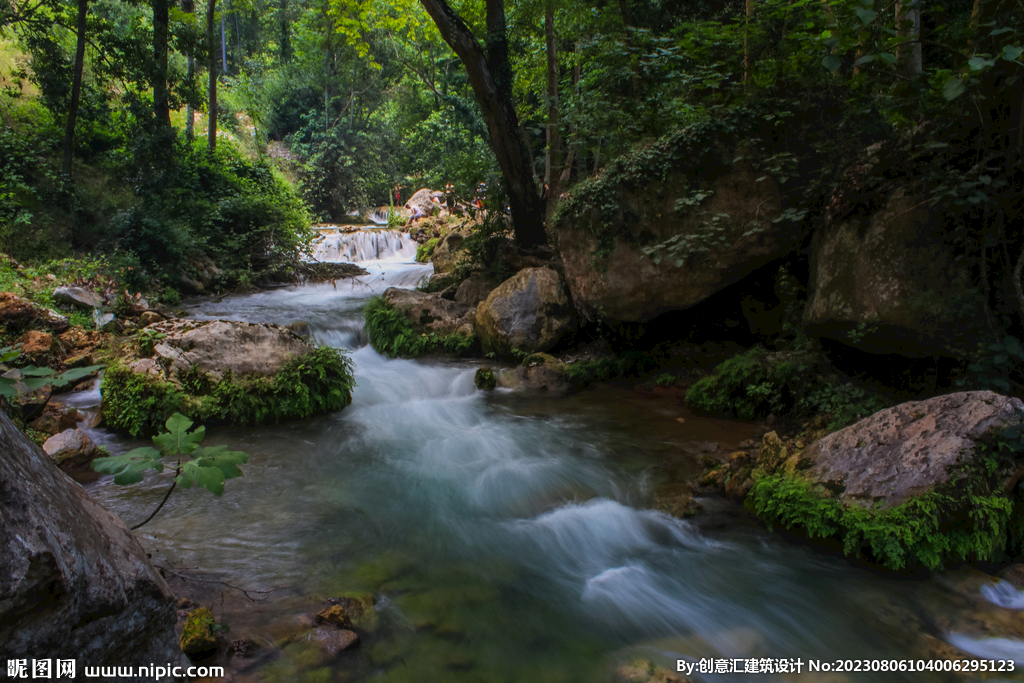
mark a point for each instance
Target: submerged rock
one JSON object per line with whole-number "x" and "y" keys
{"x": 332, "y": 642}
{"x": 530, "y": 312}
{"x": 74, "y": 581}
{"x": 223, "y": 371}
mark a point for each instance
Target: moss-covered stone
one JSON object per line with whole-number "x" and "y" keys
{"x": 197, "y": 639}
{"x": 317, "y": 382}
{"x": 335, "y": 614}
{"x": 485, "y": 379}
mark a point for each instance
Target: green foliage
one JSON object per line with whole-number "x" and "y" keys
{"x": 425, "y": 251}
{"x": 485, "y": 379}
{"x": 798, "y": 383}
{"x": 318, "y": 382}
{"x": 994, "y": 365}
{"x": 33, "y": 378}
{"x": 631, "y": 363}
{"x": 208, "y": 467}
{"x": 963, "y": 520}
{"x": 392, "y": 334}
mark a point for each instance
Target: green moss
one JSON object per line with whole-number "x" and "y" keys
{"x": 757, "y": 383}
{"x": 627, "y": 364}
{"x": 197, "y": 635}
{"x": 966, "y": 519}
{"x": 317, "y": 382}
{"x": 426, "y": 250}
{"x": 485, "y": 379}
{"x": 392, "y": 334}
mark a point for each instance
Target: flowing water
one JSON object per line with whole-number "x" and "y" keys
{"x": 506, "y": 538}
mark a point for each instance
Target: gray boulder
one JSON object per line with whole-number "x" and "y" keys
{"x": 530, "y": 312}
{"x": 74, "y": 581}
{"x": 475, "y": 289}
{"x": 905, "y": 451}
{"x": 71, "y": 448}
{"x": 78, "y": 296}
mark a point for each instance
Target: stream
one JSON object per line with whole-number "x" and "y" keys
{"x": 505, "y": 537}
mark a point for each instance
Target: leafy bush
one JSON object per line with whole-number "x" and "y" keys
{"x": 798, "y": 384}
{"x": 391, "y": 334}
{"x": 630, "y": 363}
{"x": 317, "y": 382}
{"x": 426, "y": 250}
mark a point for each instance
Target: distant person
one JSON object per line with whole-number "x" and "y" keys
{"x": 417, "y": 213}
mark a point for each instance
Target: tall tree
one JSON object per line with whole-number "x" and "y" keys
{"x": 161, "y": 97}
{"x": 211, "y": 51}
{"x": 553, "y": 154}
{"x": 76, "y": 87}
{"x": 189, "y": 8}
{"x": 490, "y": 75}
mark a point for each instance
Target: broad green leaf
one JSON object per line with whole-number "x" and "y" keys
{"x": 128, "y": 468}
{"x": 866, "y": 59}
{"x": 33, "y": 371}
{"x": 832, "y": 63}
{"x": 210, "y": 478}
{"x": 34, "y": 383}
{"x": 979, "y": 63}
{"x": 223, "y": 459}
{"x": 177, "y": 439}
{"x": 866, "y": 16}
{"x": 953, "y": 88}
{"x": 79, "y": 373}
{"x": 887, "y": 57}
{"x": 1012, "y": 52}
{"x": 8, "y": 388}
{"x": 1001, "y": 31}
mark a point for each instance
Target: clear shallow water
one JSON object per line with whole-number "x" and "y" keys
{"x": 507, "y": 538}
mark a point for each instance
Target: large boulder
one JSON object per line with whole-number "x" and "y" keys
{"x": 448, "y": 252}
{"x": 71, "y": 448}
{"x": 74, "y": 581}
{"x": 924, "y": 482}
{"x": 636, "y": 247}
{"x": 530, "y": 312}
{"x": 887, "y": 283}
{"x": 909, "y": 449}
{"x": 222, "y": 371}
{"x": 475, "y": 289}
{"x": 429, "y": 313}
{"x": 426, "y": 200}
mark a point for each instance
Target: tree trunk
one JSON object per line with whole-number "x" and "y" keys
{"x": 188, "y": 6}
{"x": 161, "y": 105}
{"x": 491, "y": 78}
{"x": 908, "y": 26}
{"x": 553, "y": 155}
{"x": 211, "y": 44}
{"x": 76, "y": 89}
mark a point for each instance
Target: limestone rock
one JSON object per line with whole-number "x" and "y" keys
{"x": 772, "y": 452}
{"x": 18, "y": 315}
{"x": 197, "y": 639}
{"x": 431, "y": 313}
{"x": 448, "y": 252}
{"x": 71, "y": 448}
{"x": 74, "y": 581}
{"x": 216, "y": 346}
{"x": 713, "y": 240}
{"x": 530, "y": 312}
{"x": 332, "y": 642}
{"x": 475, "y": 289}
{"x": 79, "y": 297}
{"x": 426, "y": 200}
{"x": 36, "y": 344}
{"x": 904, "y": 451}
{"x": 886, "y": 283}
{"x": 54, "y": 420}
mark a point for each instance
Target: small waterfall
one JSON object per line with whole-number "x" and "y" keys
{"x": 365, "y": 245}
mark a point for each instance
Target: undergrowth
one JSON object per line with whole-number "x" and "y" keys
{"x": 317, "y": 382}
{"x": 798, "y": 384}
{"x": 630, "y": 363}
{"x": 390, "y": 333}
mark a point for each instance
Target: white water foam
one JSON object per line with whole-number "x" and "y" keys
{"x": 360, "y": 246}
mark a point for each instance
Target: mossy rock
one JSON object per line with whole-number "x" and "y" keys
{"x": 485, "y": 379}
{"x": 197, "y": 639}
{"x": 317, "y": 382}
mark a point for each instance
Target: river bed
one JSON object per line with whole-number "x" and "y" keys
{"x": 505, "y": 537}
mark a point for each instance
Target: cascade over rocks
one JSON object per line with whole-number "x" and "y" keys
{"x": 430, "y": 313}
{"x": 904, "y": 451}
{"x": 74, "y": 581}
{"x": 886, "y": 283}
{"x": 530, "y": 312}
{"x": 712, "y": 238}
